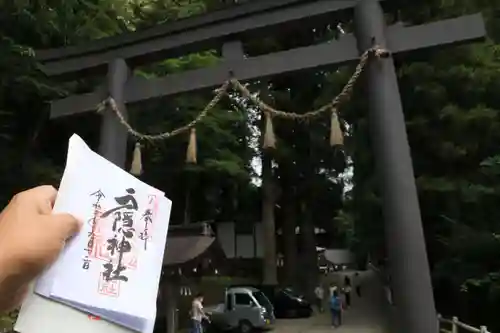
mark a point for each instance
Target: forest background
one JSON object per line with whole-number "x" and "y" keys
{"x": 452, "y": 106}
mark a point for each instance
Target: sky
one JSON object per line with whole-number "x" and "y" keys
{"x": 256, "y": 162}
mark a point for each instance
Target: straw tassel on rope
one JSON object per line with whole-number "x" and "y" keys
{"x": 269, "y": 137}
{"x": 336, "y": 135}
{"x": 191, "y": 149}
{"x": 136, "y": 167}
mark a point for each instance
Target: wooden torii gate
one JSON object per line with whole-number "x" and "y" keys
{"x": 224, "y": 30}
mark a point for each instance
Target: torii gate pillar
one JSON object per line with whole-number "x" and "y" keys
{"x": 113, "y": 143}
{"x": 413, "y": 293}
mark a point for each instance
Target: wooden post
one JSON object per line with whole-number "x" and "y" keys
{"x": 232, "y": 54}
{"x": 172, "y": 295}
{"x": 113, "y": 143}
{"x": 439, "y": 317}
{"x": 454, "y": 325}
{"x": 412, "y": 287}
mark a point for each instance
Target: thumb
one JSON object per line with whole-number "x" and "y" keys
{"x": 67, "y": 224}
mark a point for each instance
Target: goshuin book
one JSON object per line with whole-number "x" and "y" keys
{"x": 111, "y": 268}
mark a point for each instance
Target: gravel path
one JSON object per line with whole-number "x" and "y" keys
{"x": 366, "y": 315}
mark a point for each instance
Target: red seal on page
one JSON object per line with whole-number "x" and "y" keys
{"x": 92, "y": 317}
{"x": 108, "y": 288}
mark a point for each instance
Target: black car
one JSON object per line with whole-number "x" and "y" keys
{"x": 286, "y": 302}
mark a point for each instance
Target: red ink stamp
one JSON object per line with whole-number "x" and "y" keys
{"x": 153, "y": 202}
{"x": 108, "y": 288}
{"x": 92, "y": 317}
{"x": 132, "y": 262}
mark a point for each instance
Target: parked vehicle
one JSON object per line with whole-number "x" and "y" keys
{"x": 286, "y": 302}
{"x": 289, "y": 304}
{"x": 244, "y": 309}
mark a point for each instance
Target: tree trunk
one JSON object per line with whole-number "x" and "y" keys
{"x": 187, "y": 202}
{"x": 270, "y": 271}
{"x": 309, "y": 258}
{"x": 187, "y": 208}
{"x": 171, "y": 293}
{"x": 290, "y": 241}
{"x": 289, "y": 224}
{"x": 268, "y": 225}
{"x": 307, "y": 194}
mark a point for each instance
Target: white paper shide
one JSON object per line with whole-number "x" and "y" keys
{"x": 111, "y": 269}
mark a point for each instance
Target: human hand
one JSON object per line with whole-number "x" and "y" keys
{"x": 31, "y": 238}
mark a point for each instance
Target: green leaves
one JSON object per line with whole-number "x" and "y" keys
{"x": 491, "y": 163}
{"x": 7, "y": 321}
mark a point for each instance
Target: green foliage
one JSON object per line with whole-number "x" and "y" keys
{"x": 7, "y": 321}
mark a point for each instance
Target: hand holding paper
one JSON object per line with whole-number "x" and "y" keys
{"x": 31, "y": 238}
{"x": 112, "y": 267}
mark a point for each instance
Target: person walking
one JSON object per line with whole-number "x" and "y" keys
{"x": 331, "y": 289}
{"x": 357, "y": 281}
{"x": 197, "y": 314}
{"x": 319, "y": 291}
{"x": 347, "y": 291}
{"x": 336, "y": 309}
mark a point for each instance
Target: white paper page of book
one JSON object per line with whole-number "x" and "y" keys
{"x": 41, "y": 315}
{"x": 112, "y": 260}
{"x": 110, "y": 265}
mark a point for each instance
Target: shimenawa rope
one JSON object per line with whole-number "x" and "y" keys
{"x": 220, "y": 92}
{"x": 336, "y": 136}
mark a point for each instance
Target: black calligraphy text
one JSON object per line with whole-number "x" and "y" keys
{"x": 91, "y": 235}
{"x": 123, "y": 230}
